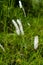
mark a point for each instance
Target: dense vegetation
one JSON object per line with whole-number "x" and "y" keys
{"x": 19, "y": 50}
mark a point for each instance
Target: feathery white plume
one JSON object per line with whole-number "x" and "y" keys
{"x": 2, "y": 47}
{"x": 20, "y": 5}
{"x": 20, "y": 26}
{"x": 36, "y": 41}
{"x": 24, "y": 12}
{"x": 16, "y": 26}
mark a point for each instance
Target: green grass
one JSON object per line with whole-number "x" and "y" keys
{"x": 19, "y": 50}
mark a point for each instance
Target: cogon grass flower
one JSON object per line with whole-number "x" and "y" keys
{"x": 2, "y": 47}
{"x": 24, "y": 12}
{"x": 20, "y": 5}
{"x": 16, "y": 26}
{"x": 20, "y": 26}
{"x": 36, "y": 41}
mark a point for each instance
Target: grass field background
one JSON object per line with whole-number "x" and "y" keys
{"x": 19, "y": 50}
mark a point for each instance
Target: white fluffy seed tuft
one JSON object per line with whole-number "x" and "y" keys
{"x": 36, "y": 41}
{"x": 20, "y": 4}
{"x": 20, "y": 26}
{"x": 16, "y": 26}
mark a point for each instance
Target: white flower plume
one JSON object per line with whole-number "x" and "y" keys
{"x": 16, "y": 26}
{"x": 36, "y": 41}
{"x": 20, "y": 26}
{"x": 20, "y": 4}
{"x": 24, "y": 12}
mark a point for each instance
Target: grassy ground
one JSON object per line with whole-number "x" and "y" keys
{"x": 19, "y": 50}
